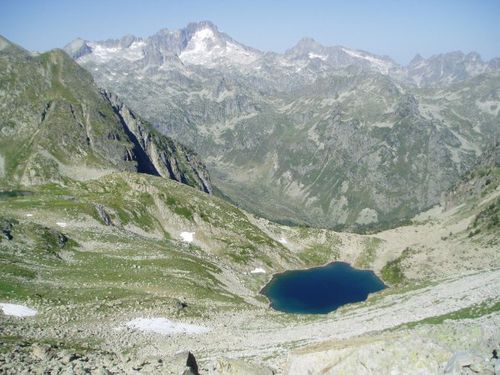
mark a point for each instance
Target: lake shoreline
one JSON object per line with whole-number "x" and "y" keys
{"x": 356, "y": 285}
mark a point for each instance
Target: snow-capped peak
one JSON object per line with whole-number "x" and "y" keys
{"x": 208, "y": 47}
{"x": 102, "y": 52}
{"x": 201, "y": 42}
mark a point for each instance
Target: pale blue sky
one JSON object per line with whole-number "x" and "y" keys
{"x": 398, "y": 28}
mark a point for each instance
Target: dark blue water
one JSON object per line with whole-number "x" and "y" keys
{"x": 321, "y": 290}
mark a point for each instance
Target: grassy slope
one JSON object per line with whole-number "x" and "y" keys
{"x": 142, "y": 249}
{"x": 140, "y": 254}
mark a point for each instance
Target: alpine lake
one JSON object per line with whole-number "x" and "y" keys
{"x": 320, "y": 290}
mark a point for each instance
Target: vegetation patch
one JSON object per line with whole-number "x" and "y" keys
{"x": 318, "y": 254}
{"x": 489, "y": 217}
{"x": 393, "y": 271}
{"x": 471, "y": 312}
{"x": 179, "y": 209}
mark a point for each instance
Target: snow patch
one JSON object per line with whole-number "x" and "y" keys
{"x": 313, "y": 55}
{"x": 283, "y": 241}
{"x": 187, "y": 236}
{"x": 258, "y": 270}
{"x": 205, "y": 48}
{"x": 29, "y": 215}
{"x": 382, "y": 65}
{"x": 20, "y": 311}
{"x": 103, "y": 54}
{"x": 165, "y": 326}
{"x": 62, "y": 224}
{"x": 199, "y": 38}
{"x": 135, "y": 51}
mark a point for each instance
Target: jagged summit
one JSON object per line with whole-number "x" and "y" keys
{"x": 416, "y": 59}
{"x": 203, "y": 44}
{"x": 205, "y": 24}
{"x": 309, "y": 50}
{"x": 446, "y": 68}
{"x": 199, "y": 43}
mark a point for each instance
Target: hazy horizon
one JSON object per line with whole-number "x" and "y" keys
{"x": 398, "y": 29}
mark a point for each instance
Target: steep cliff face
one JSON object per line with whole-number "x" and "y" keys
{"x": 57, "y": 124}
{"x": 157, "y": 154}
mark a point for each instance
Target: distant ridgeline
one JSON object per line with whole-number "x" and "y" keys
{"x": 324, "y": 136}
{"x": 57, "y": 124}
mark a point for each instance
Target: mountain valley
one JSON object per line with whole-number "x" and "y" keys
{"x": 126, "y": 254}
{"x": 323, "y": 136}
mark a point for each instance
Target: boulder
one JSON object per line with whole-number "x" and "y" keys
{"x": 185, "y": 362}
{"x": 461, "y": 360}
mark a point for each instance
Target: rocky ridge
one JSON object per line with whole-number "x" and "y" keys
{"x": 57, "y": 124}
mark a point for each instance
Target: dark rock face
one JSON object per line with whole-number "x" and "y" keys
{"x": 158, "y": 155}
{"x": 101, "y": 211}
{"x": 6, "y": 229}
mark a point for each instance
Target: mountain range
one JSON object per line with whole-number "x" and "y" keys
{"x": 325, "y": 136}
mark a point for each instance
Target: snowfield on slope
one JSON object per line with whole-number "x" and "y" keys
{"x": 165, "y": 326}
{"x": 20, "y": 311}
{"x": 187, "y": 236}
{"x": 258, "y": 270}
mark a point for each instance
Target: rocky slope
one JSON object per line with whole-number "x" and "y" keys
{"x": 91, "y": 257}
{"x": 326, "y": 136}
{"x": 57, "y": 124}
